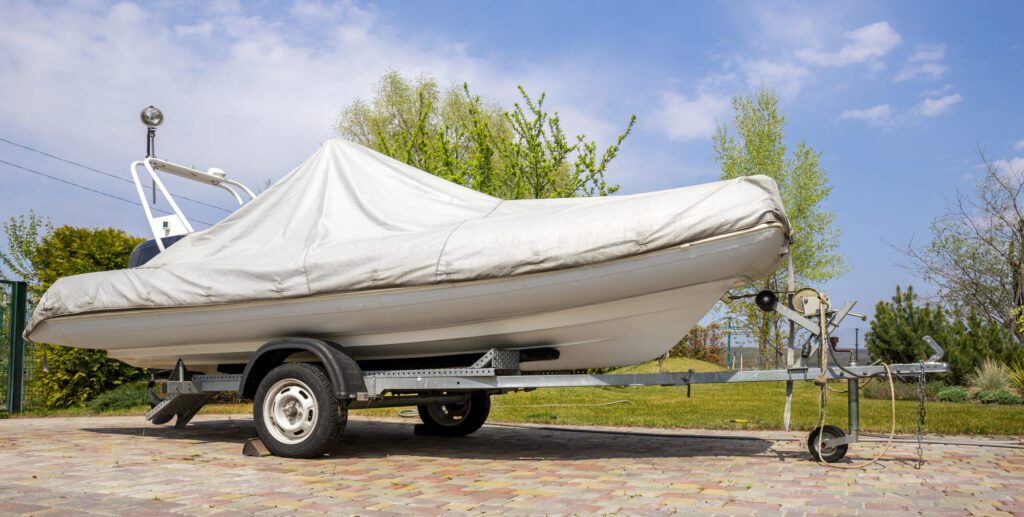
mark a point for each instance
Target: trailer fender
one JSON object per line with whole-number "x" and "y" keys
{"x": 345, "y": 374}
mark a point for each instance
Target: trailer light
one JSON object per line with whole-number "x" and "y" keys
{"x": 152, "y": 117}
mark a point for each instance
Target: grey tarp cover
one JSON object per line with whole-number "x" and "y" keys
{"x": 349, "y": 219}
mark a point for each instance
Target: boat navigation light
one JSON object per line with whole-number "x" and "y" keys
{"x": 152, "y": 117}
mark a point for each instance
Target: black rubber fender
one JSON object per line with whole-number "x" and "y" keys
{"x": 345, "y": 374}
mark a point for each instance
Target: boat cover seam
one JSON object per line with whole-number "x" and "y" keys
{"x": 305, "y": 256}
{"x": 440, "y": 254}
{"x": 488, "y": 214}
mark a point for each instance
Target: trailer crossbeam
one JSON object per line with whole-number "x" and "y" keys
{"x": 464, "y": 379}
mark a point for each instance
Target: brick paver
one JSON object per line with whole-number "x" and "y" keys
{"x": 117, "y": 466}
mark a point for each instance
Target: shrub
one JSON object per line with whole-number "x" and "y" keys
{"x": 125, "y": 396}
{"x": 951, "y": 394}
{"x": 73, "y": 375}
{"x": 704, "y": 343}
{"x": 990, "y": 376}
{"x": 1016, "y": 372}
{"x": 998, "y": 397}
{"x": 879, "y": 389}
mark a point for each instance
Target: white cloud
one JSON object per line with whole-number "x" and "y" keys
{"x": 785, "y": 78}
{"x": 923, "y": 53}
{"x": 925, "y": 62}
{"x": 935, "y": 92}
{"x": 1018, "y": 145}
{"x": 203, "y": 30}
{"x": 936, "y": 107}
{"x": 926, "y": 70}
{"x": 865, "y": 45}
{"x": 248, "y": 93}
{"x": 684, "y": 118}
{"x": 880, "y": 115}
{"x": 884, "y": 115}
{"x": 1014, "y": 166}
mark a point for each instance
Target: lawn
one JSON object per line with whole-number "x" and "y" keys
{"x": 719, "y": 406}
{"x": 711, "y": 406}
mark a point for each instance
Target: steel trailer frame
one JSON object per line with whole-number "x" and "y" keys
{"x": 498, "y": 372}
{"x": 399, "y": 388}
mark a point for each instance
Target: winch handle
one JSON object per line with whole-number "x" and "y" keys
{"x": 939, "y": 352}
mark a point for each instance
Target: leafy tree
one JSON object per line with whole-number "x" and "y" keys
{"x": 522, "y": 153}
{"x": 703, "y": 342}
{"x": 901, "y": 323}
{"x": 24, "y": 234}
{"x": 41, "y": 255}
{"x": 976, "y": 255}
{"x": 756, "y": 145}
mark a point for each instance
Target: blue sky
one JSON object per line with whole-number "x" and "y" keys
{"x": 897, "y": 96}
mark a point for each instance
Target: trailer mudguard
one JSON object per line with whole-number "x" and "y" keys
{"x": 345, "y": 374}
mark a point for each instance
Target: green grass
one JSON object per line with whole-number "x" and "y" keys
{"x": 711, "y": 406}
{"x": 718, "y": 406}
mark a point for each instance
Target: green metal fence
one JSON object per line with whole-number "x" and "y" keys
{"x": 17, "y": 358}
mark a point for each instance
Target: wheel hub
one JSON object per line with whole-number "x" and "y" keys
{"x": 290, "y": 411}
{"x": 449, "y": 414}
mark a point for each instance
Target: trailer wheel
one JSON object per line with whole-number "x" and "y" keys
{"x": 296, "y": 412}
{"x": 828, "y": 454}
{"x": 456, "y": 419}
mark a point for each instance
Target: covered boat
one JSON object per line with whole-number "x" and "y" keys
{"x": 396, "y": 264}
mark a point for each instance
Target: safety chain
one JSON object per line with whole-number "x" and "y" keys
{"x": 920, "y": 418}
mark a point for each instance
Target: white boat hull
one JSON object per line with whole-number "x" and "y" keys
{"x": 609, "y": 314}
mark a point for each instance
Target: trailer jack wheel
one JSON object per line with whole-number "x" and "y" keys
{"x": 455, "y": 419}
{"x": 296, "y": 412}
{"x": 828, "y": 454}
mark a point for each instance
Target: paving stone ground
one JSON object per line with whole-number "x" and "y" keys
{"x": 115, "y": 465}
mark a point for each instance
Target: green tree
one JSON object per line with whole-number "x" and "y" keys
{"x": 756, "y": 144}
{"x": 41, "y": 255}
{"x": 976, "y": 254}
{"x": 703, "y": 342}
{"x": 24, "y": 234}
{"x": 900, "y": 324}
{"x": 449, "y": 132}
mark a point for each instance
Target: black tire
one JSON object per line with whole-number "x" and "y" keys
{"x": 289, "y": 429}
{"x": 456, "y": 419}
{"x": 828, "y": 454}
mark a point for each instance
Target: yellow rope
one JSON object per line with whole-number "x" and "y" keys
{"x": 823, "y": 405}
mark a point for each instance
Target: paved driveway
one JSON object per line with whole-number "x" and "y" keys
{"x": 116, "y": 466}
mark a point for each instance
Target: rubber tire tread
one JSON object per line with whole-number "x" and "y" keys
{"x": 331, "y": 421}
{"x": 835, "y": 455}
{"x": 480, "y": 409}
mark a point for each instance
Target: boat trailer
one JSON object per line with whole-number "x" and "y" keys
{"x": 456, "y": 401}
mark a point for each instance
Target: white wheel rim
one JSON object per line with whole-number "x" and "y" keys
{"x": 449, "y": 415}
{"x": 290, "y": 411}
